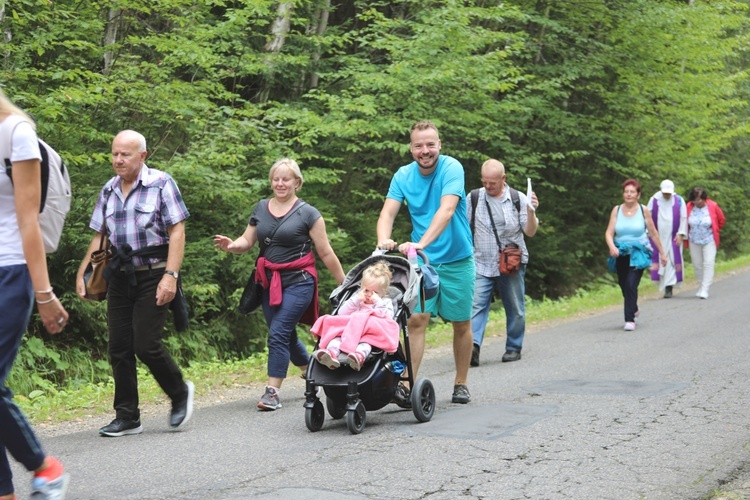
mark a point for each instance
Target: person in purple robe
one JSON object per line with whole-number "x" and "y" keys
{"x": 669, "y": 213}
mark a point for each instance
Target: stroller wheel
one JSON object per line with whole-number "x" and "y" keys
{"x": 355, "y": 419}
{"x": 335, "y": 410}
{"x": 423, "y": 399}
{"x": 315, "y": 416}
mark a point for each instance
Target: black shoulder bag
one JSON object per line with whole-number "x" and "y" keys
{"x": 252, "y": 295}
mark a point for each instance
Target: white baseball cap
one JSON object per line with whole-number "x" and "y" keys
{"x": 667, "y": 187}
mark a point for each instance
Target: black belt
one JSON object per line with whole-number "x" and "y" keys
{"x": 147, "y": 267}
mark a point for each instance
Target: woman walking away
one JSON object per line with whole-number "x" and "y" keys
{"x": 286, "y": 228}
{"x": 23, "y": 280}
{"x": 630, "y": 226}
{"x": 705, "y": 220}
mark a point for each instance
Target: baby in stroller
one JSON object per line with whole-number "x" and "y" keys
{"x": 363, "y": 321}
{"x": 352, "y": 393}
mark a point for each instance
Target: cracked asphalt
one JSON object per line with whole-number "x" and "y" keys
{"x": 590, "y": 412}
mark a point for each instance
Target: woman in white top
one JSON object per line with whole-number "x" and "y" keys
{"x": 23, "y": 278}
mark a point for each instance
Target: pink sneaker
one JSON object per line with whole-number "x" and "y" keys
{"x": 629, "y": 326}
{"x": 326, "y": 358}
{"x": 356, "y": 360}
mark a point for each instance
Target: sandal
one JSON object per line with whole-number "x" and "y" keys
{"x": 402, "y": 397}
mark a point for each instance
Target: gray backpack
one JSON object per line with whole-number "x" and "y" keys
{"x": 56, "y": 189}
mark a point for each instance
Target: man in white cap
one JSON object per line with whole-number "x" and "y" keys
{"x": 670, "y": 218}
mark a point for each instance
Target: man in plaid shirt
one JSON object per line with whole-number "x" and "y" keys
{"x": 510, "y": 225}
{"x": 142, "y": 212}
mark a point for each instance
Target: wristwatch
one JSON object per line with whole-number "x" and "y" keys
{"x": 173, "y": 274}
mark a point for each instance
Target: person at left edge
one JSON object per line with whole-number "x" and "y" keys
{"x": 144, "y": 215}
{"x": 23, "y": 280}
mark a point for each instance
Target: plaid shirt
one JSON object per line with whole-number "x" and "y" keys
{"x": 509, "y": 225}
{"x": 153, "y": 204}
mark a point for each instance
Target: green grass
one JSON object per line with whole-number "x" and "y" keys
{"x": 79, "y": 399}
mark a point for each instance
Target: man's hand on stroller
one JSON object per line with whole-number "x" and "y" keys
{"x": 388, "y": 244}
{"x": 404, "y": 247}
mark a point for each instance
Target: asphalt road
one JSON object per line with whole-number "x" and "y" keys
{"x": 590, "y": 412}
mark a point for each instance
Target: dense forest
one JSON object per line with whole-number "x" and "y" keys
{"x": 577, "y": 95}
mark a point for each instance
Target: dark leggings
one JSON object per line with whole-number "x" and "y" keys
{"x": 16, "y": 435}
{"x": 628, "y": 277}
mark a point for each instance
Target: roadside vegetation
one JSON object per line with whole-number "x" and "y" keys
{"x": 577, "y": 96}
{"x": 47, "y": 403}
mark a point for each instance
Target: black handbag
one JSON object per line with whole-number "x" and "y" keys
{"x": 252, "y": 295}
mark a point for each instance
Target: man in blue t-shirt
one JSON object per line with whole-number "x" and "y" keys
{"x": 433, "y": 188}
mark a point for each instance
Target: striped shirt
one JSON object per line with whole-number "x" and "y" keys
{"x": 153, "y": 204}
{"x": 509, "y": 225}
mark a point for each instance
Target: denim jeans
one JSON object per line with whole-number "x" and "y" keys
{"x": 629, "y": 278}
{"x": 512, "y": 290}
{"x": 16, "y": 435}
{"x": 283, "y": 344}
{"x": 136, "y": 326}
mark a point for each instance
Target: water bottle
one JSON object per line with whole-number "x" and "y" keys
{"x": 411, "y": 255}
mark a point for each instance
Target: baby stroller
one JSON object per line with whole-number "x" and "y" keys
{"x": 351, "y": 393}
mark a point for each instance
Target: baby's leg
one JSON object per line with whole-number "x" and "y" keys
{"x": 334, "y": 347}
{"x": 364, "y": 348}
{"x": 330, "y": 355}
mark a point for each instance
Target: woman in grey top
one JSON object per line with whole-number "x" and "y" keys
{"x": 286, "y": 228}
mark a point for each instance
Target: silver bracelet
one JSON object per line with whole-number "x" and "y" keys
{"x": 44, "y": 291}
{"x": 42, "y": 302}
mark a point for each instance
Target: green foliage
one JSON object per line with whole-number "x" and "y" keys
{"x": 578, "y": 96}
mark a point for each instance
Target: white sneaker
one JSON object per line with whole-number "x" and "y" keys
{"x": 327, "y": 358}
{"x": 629, "y": 326}
{"x": 182, "y": 411}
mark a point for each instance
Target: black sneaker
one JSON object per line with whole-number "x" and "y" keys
{"x": 402, "y": 397}
{"x": 461, "y": 394}
{"x": 668, "y": 292}
{"x": 475, "y": 355}
{"x": 182, "y": 411}
{"x": 511, "y": 356}
{"x": 121, "y": 427}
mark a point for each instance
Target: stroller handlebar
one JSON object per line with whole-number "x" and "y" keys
{"x": 379, "y": 251}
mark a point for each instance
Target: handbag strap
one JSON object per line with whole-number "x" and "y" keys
{"x": 105, "y": 231}
{"x": 492, "y": 223}
{"x": 103, "y": 241}
{"x": 269, "y": 238}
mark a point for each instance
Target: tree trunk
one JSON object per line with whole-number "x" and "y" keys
{"x": 110, "y": 37}
{"x": 7, "y": 35}
{"x": 540, "y": 44}
{"x": 279, "y": 30}
{"x": 321, "y": 17}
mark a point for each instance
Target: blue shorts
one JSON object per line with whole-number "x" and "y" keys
{"x": 454, "y": 300}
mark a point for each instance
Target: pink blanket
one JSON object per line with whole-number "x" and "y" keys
{"x": 370, "y": 325}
